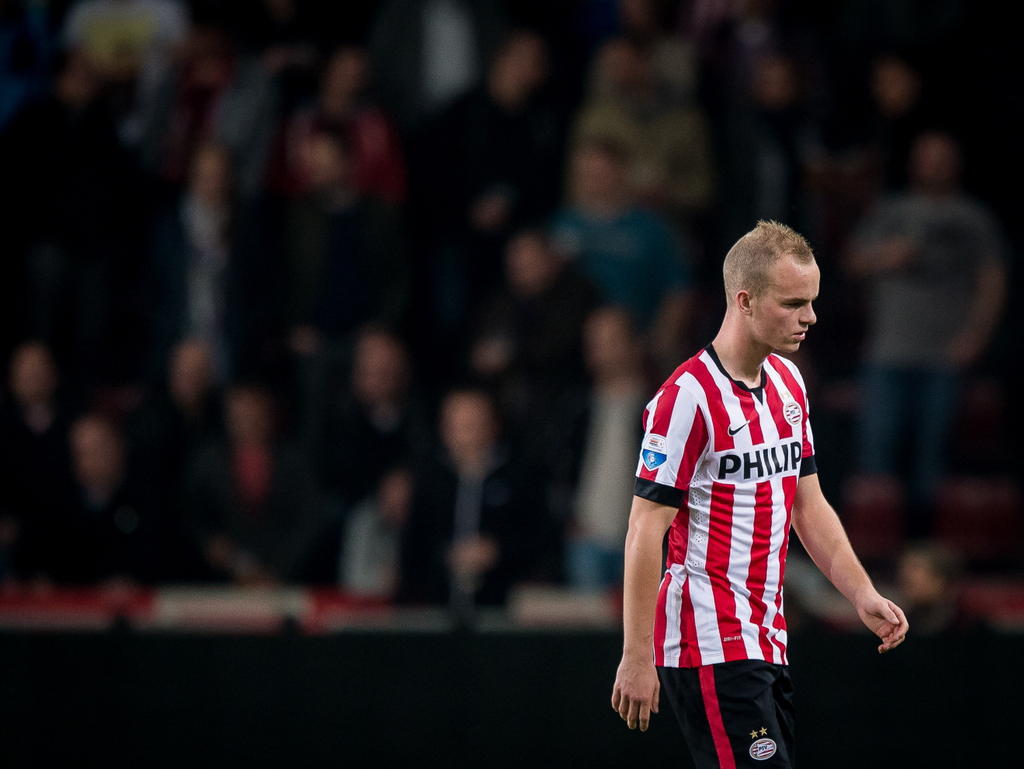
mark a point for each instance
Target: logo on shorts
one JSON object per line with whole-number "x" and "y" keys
{"x": 792, "y": 412}
{"x": 763, "y": 749}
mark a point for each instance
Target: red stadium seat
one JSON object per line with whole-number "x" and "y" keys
{"x": 874, "y": 514}
{"x": 979, "y": 517}
{"x": 998, "y": 601}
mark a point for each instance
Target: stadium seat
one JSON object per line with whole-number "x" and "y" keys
{"x": 999, "y": 601}
{"x": 874, "y": 514}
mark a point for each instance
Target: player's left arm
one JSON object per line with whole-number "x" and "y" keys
{"x": 826, "y": 542}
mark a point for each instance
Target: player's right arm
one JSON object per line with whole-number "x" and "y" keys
{"x": 636, "y": 689}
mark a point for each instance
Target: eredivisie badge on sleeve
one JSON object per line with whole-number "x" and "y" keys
{"x": 653, "y": 451}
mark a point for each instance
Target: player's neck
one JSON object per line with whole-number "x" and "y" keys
{"x": 740, "y": 355}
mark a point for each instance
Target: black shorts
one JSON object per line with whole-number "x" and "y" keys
{"x": 734, "y": 714}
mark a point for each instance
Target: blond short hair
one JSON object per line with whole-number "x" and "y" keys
{"x": 746, "y": 265}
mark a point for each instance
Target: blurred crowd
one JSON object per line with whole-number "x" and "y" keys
{"x": 373, "y": 294}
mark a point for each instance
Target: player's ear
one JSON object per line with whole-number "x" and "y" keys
{"x": 743, "y": 301}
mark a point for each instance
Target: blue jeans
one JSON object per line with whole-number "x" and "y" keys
{"x": 907, "y": 412}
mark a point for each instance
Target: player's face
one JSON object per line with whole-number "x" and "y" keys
{"x": 781, "y": 316}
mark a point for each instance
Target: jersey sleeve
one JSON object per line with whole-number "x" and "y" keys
{"x": 675, "y": 439}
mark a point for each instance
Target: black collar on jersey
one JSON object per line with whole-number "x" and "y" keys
{"x": 757, "y": 392}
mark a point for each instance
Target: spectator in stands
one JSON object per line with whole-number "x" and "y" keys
{"x": 654, "y": 25}
{"x": 929, "y": 583}
{"x": 362, "y": 440}
{"x": 76, "y": 211}
{"x": 285, "y": 34}
{"x": 211, "y": 269}
{"x": 346, "y": 255}
{"x": 35, "y": 468}
{"x": 126, "y": 38}
{"x": 132, "y": 44}
{"x": 932, "y": 261}
{"x": 114, "y": 528}
{"x": 899, "y": 117}
{"x": 342, "y": 108}
{"x": 873, "y": 145}
{"x": 630, "y": 253}
{"x": 192, "y": 260}
{"x": 475, "y": 512}
{"x": 177, "y": 420}
{"x": 371, "y": 546}
{"x": 492, "y": 189}
{"x": 377, "y": 424}
{"x": 489, "y": 164}
{"x": 732, "y": 38}
{"x": 671, "y": 164}
{"x": 772, "y": 144}
{"x": 609, "y": 432}
{"x": 214, "y": 94}
{"x": 251, "y": 498}
{"x": 529, "y": 345}
{"x": 425, "y": 54}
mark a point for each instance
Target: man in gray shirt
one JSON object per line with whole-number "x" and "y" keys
{"x": 932, "y": 262}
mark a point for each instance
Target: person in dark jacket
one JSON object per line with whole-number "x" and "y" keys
{"x": 176, "y": 420}
{"x": 378, "y": 423}
{"x": 210, "y": 269}
{"x": 474, "y": 515}
{"x": 35, "y": 467}
{"x": 251, "y": 497}
{"x": 345, "y": 255}
{"x": 114, "y": 528}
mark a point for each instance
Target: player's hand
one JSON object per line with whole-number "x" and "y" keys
{"x": 635, "y": 693}
{"x": 883, "y": 618}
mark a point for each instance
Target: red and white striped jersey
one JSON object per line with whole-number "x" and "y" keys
{"x": 729, "y": 458}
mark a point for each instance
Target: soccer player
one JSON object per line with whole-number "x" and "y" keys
{"x": 726, "y": 466}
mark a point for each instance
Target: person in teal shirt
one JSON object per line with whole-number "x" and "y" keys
{"x": 630, "y": 253}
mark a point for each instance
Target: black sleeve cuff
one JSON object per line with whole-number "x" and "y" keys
{"x": 808, "y": 466}
{"x": 658, "y": 492}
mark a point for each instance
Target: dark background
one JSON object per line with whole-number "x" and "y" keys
{"x": 513, "y": 698}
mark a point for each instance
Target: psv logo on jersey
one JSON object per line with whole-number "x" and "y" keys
{"x": 790, "y": 408}
{"x": 792, "y": 412}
